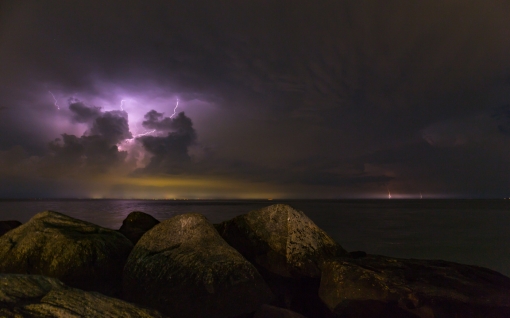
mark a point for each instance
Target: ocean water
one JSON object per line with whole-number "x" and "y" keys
{"x": 475, "y": 232}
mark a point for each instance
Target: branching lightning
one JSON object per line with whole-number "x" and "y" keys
{"x": 147, "y": 132}
{"x": 144, "y": 134}
{"x": 128, "y": 141}
{"x": 175, "y": 108}
{"x": 56, "y": 105}
{"x": 139, "y": 135}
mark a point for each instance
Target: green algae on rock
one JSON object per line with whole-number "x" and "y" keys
{"x": 280, "y": 239}
{"x": 79, "y": 253}
{"x": 183, "y": 268}
{"x": 39, "y": 296}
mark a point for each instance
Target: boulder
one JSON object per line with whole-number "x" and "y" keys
{"x": 41, "y": 296}
{"x": 136, "y": 224}
{"x": 183, "y": 268}
{"x": 280, "y": 239}
{"x": 267, "y": 311}
{"x": 378, "y": 286}
{"x": 6, "y": 226}
{"x": 80, "y": 254}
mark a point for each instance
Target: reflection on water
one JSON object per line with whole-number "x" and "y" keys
{"x": 466, "y": 231}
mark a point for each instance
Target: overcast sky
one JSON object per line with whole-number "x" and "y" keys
{"x": 255, "y": 99}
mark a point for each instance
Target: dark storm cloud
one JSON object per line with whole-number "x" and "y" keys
{"x": 83, "y": 113}
{"x": 340, "y": 53}
{"x": 169, "y": 152}
{"x": 96, "y": 151}
{"x": 502, "y": 115}
{"x": 155, "y": 120}
{"x": 354, "y": 82}
{"x": 112, "y": 126}
{"x": 93, "y": 153}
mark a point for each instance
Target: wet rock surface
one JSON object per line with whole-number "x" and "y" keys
{"x": 136, "y": 224}
{"x": 40, "y": 296}
{"x": 183, "y": 268}
{"x": 379, "y": 286}
{"x": 80, "y": 254}
{"x": 282, "y": 240}
{"x": 6, "y": 226}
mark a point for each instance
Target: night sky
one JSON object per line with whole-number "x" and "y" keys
{"x": 255, "y": 99}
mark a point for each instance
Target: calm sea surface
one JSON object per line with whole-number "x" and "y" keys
{"x": 473, "y": 232}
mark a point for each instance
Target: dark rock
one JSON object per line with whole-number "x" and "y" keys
{"x": 357, "y": 254}
{"x": 288, "y": 249}
{"x": 267, "y": 311}
{"x": 299, "y": 294}
{"x": 40, "y": 296}
{"x": 183, "y": 268}
{"x": 6, "y": 226}
{"x": 136, "y": 224}
{"x": 79, "y": 253}
{"x": 378, "y": 286}
{"x": 282, "y": 240}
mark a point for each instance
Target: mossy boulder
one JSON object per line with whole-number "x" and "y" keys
{"x": 282, "y": 240}
{"x": 6, "y": 226}
{"x": 378, "y": 286}
{"x": 79, "y": 253}
{"x": 40, "y": 296}
{"x": 136, "y": 224}
{"x": 183, "y": 268}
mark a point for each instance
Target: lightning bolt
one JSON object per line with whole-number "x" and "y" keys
{"x": 128, "y": 141}
{"x": 139, "y": 135}
{"x": 144, "y": 134}
{"x": 147, "y": 132}
{"x": 56, "y": 105}
{"x": 122, "y": 104}
{"x": 175, "y": 108}
{"x": 389, "y": 193}
{"x": 421, "y": 195}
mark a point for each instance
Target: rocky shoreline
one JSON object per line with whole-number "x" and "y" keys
{"x": 271, "y": 262}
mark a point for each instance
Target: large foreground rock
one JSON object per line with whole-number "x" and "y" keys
{"x": 267, "y": 311}
{"x": 40, "y": 296}
{"x": 6, "y": 226}
{"x": 183, "y": 268}
{"x": 280, "y": 239}
{"x": 136, "y": 224}
{"x": 79, "y": 253}
{"x": 378, "y": 286}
